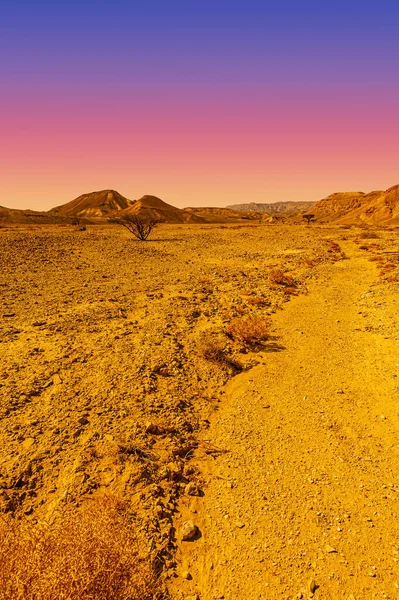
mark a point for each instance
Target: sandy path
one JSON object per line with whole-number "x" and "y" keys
{"x": 309, "y": 487}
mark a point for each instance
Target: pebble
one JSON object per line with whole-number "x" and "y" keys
{"x": 330, "y": 549}
{"x": 188, "y": 531}
{"x": 312, "y": 587}
{"x": 186, "y": 575}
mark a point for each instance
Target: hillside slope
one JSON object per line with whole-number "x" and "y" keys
{"x": 214, "y": 214}
{"x": 155, "y": 208}
{"x": 358, "y": 207}
{"x": 13, "y": 216}
{"x": 95, "y": 204}
{"x": 274, "y": 208}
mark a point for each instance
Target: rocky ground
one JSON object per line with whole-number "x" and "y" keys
{"x": 122, "y": 361}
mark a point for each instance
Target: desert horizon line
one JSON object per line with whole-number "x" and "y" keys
{"x": 207, "y": 205}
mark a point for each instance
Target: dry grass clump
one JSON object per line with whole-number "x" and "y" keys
{"x": 368, "y": 235}
{"x": 258, "y": 301}
{"x": 90, "y": 554}
{"x": 278, "y": 277}
{"x": 211, "y": 348}
{"x": 251, "y": 330}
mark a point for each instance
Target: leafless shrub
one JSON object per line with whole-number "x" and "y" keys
{"x": 140, "y": 227}
{"x": 90, "y": 553}
{"x": 250, "y": 330}
{"x": 309, "y": 218}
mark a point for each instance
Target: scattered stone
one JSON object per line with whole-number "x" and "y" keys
{"x": 312, "y": 587}
{"x": 186, "y": 575}
{"x": 188, "y": 531}
{"x": 193, "y": 597}
{"x": 329, "y": 549}
{"x": 151, "y": 428}
{"x": 192, "y": 489}
{"x": 240, "y": 525}
{"x": 8, "y": 315}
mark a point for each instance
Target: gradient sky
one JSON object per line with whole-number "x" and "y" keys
{"x": 197, "y": 102}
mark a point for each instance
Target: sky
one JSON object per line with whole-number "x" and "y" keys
{"x": 201, "y": 103}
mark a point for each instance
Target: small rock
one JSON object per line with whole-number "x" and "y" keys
{"x": 188, "y": 531}
{"x": 312, "y": 587}
{"x": 186, "y": 575}
{"x": 8, "y": 315}
{"x": 240, "y": 525}
{"x": 192, "y": 489}
{"x": 330, "y": 549}
{"x": 193, "y": 597}
{"x": 151, "y": 428}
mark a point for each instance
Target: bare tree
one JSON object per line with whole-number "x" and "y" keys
{"x": 140, "y": 227}
{"x": 309, "y": 217}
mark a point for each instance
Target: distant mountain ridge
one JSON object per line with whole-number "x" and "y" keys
{"x": 377, "y": 207}
{"x": 274, "y": 208}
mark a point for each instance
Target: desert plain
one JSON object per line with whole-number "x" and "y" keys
{"x": 234, "y": 387}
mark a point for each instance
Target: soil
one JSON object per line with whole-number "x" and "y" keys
{"x": 303, "y": 499}
{"x": 119, "y": 376}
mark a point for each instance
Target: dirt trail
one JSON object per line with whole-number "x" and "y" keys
{"x": 309, "y": 487}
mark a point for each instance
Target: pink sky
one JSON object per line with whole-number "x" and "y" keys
{"x": 198, "y": 105}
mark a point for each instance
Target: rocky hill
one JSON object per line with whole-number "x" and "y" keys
{"x": 155, "y": 208}
{"x": 220, "y": 215}
{"x": 358, "y": 207}
{"x": 13, "y": 216}
{"x": 288, "y": 208}
{"x": 95, "y": 204}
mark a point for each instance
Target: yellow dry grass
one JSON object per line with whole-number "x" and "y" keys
{"x": 250, "y": 330}
{"x": 90, "y": 554}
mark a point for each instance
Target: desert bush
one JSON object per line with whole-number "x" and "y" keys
{"x": 278, "y": 277}
{"x": 212, "y": 348}
{"x": 368, "y": 235}
{"x": 250, "y": 330}
{"x": 88, "y": 554}
{"x": 140, "y": 227}
{"x": 309, "y": 218}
